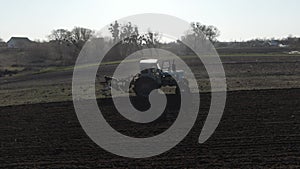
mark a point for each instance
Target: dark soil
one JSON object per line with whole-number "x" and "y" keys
{"x": 259, "y": 129}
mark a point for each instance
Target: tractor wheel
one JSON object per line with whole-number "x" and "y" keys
{"x": 144, "y": 85}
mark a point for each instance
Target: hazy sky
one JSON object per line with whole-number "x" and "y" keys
{"x": 236, "y": 19}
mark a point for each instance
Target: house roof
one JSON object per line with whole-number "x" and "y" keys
{"x": 19, "y": 39}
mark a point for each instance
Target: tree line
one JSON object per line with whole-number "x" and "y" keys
{"x": 128, "y": 39}
{"x": 125, "y": 37}
{"x": 77, "y": 36}
{"x": 63, "y": 46}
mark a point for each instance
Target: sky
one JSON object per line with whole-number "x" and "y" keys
{"x": 236, "y": 19}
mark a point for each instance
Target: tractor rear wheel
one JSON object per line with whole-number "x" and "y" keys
{"x": 144, "y": 85}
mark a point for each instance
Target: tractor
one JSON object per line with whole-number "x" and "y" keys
{"x": 152, "y": 76}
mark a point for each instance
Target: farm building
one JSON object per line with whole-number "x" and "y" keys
{"x": 3, "y": 45}
{"x": 19, "y": 42}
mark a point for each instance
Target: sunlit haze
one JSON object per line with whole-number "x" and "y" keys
{"x": 236, "y": 19}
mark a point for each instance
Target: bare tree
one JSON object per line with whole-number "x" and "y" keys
{"x": 115, "y": 31}
{"x": 130, "y": 39}
{"x": 128, "y": 30}
{"x": 151, "y": 39}
{"x": 81, "y": 34}
{"x": 129, "y": 35}
{"x": 61, "y": 35}
{"x": 201, "y": 32}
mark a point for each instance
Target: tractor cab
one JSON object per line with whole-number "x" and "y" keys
{"x": 150, "y": 67}
{"x": 149, "y": 64}
{"x": 169, "y": 67}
